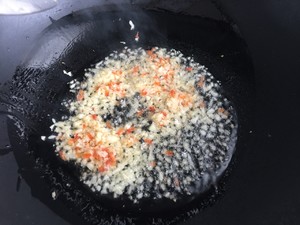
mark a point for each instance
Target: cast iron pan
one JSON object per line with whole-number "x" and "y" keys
{"x": 78, "y": 41}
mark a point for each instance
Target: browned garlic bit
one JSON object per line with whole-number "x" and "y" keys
{"x": 145, "y": 124}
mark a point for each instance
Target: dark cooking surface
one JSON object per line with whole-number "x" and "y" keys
{"x": 39, "y": 86}
{"x": 263, "y": 189}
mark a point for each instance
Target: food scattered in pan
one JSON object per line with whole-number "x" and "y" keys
{"x": 146, "y": 124}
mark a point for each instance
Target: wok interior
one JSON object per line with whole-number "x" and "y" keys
{"x": 77, "y": 42}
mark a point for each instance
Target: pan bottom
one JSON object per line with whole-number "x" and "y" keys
{"x": 39, "y": 87}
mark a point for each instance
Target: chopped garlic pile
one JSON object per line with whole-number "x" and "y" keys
{"x": 139, "y": 124}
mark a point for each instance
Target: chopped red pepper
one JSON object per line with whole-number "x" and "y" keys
{"x": 135, "y": 69}
{"x": 86, "y": 155}
{"x": 117, "y": 72}
{"x": 185, "y": 103}
{"x": 130, "y": 130}
{"x": 120, "y": 131}
{"x": 90, "y": 136}
{"x": 80, "y": 95}
{"x": 144, "y": 74}
{"x": 140, "y": 112}
{"x": 76, "y": 137}
{"x": 101, "y": 169}
{"x": 111, "y": 159}
{"x": 169, "y": 153}
{"x": 148, "y": 141}
{"x": 62, "y": 155}
{"x": 96, "y": 156}
{"x": 94, "y": 116}
{"x": 143, "y": 92}
{"x": 152, "y": 108}
{"x": 71, "y": 141}
{"x": 221, "y": 110}
{"x": 97, "y": 87}
{"x": 108, "y": 124}
{"x": 172, "y": 93}
{"x": 152, "y": 163}
{"x": 189, "y": 69}
{"x": 157, "y": 83}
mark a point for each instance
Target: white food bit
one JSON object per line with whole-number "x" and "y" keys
{"x": 123, "y": 42}
{"x": 52, "y": 127}
{"x": 43, "y": 138}
{"x": 68, "y": 73}
{"x": 131, "y": 25}
{"x": 51, "y": 137}
{"x": 53, "y": 194}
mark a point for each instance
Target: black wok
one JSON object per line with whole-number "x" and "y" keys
{"x": 76, "y": 42}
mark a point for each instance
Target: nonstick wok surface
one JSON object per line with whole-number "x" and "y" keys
{"x": 44, "y": 82}
{"x": 83, "y": 38}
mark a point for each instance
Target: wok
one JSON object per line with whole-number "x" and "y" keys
{"x": 75, "y": 42}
